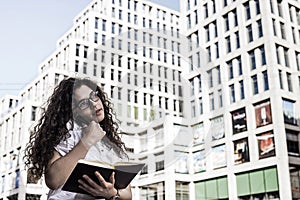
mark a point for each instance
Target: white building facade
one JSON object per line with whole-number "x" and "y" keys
{"x": 244, "y": 100}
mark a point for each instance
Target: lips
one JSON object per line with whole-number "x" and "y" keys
{"x": 98, "y": 111}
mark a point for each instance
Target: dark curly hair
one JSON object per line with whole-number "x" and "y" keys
{"x": 52, "y": 126}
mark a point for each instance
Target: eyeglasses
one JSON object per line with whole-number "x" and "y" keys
{"x": 85, "y": 103}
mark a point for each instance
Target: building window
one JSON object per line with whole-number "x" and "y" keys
{"x": 278, "y": 54}
{"x": 112, "y": 74}
{"x": 228, "y": 44}
{"x": 120, "y": 14}
{"x": 95, "y": 70}
{"x": 237, "y": 39}
{"x": 260, "y": 29}
{"x": 84, "y": 70}
{"x": 103, "y": 25}
{"x": 199, "y": 84}
{"x": 220, "y": 98}
{"x": 102, "y": 71}
{"x": 289, "y": 112}
{"x": 96, "y": 22}
{"x": 120, "y": 44}
{"x": 119, "y": 93}
{"x": 160, "y": 165}
{"x": 250, "y": 33}
{"x": 212, "y": 101}
{"x": 230, "y": 70}
{"x": 96, "y": 38}
{"x": 247, "y": 10}
{"x": 120, "y": 76}
{"x": 242, "y": 93}
{"x": 135, "y": 80}
{"x": 128, "y": 78}
{"x": 297, "y": 56}
{"x": 219, "y": 74}
{"x": 103, "y": 39}
{"x": 292, "y": 142}
{"x": 232, "y": 93}
{"x": 95, "y": 54}
{"x": 274, "y": 27}
{"x": 212, "y": 188}
{"x": 120, "y": 29}
{"x": 33, "y": 113}
{"x": 252, "y": 60}
{"x": 289, "y": 81}
{"x": 211, "y": 80}
{"x": 208, "y": 53}
{"x": 266, "y": 81}
{"x": 205, "y": 10}
{"x": 200, "y": 106}
{"x": 135, "y": 97}
{"x": 254, "y": 84}
{"x": 241, "y": 151}
{"x": 239, "y": 61}
{"x": 128, "y": 95}
{"x": 294, "y": 35}
{"x": 239, "y": 120}
{"x": 280, "y": 79}
{"x": 215, "y": 28}
{"x": 263, "y": 55}
{"x": 286, "y": 57}
{"x": 257, "y": 7}
{"x": 282, "y": 29}
{"x": 77, "y": 49}
{"x": 193, "y": 108}
{"x": 76, "y": 65}
{"x": 226, "y": 22}
{"x": 257, "y": 184}
{"x": 182, "y": 190}
{"x": 112, "y": 42}
{"x": 113, "y": 27}
{"x": 136, "y": 112}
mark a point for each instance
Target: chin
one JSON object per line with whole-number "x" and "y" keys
{"x": 100, "y": 119}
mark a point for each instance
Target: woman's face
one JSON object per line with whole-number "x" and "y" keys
{"x": 88, "y": 104}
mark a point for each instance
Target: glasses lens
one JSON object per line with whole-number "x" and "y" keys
{"x": 94, "y": 96}
{"x": 84, "y": 104}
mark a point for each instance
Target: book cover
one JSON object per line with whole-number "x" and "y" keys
{"x": 124, "y": 174}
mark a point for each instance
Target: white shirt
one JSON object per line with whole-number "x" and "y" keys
{"x": 99, "y": 152}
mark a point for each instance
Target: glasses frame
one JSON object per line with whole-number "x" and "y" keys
{"x": 86, "y": 103}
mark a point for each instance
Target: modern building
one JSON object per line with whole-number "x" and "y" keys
{"x": 207, "y": 97}
{"x": 244, "y": 101}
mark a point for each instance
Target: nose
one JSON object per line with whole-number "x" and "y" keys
{"x": 92, "y": 103}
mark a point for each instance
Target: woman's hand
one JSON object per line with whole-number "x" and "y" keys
{"x": 92, "y": 134}
{"x": 103, "y": 189}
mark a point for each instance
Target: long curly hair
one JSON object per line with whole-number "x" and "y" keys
{"x": 52, "y": 126}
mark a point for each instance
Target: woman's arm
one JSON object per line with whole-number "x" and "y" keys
{"x": 60, "y": 167}
{"x": 126, "y": 194}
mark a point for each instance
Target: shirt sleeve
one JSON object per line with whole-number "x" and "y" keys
{"x": 65, "y": 146}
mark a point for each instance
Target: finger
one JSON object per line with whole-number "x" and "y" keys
{"x": 112, "y": 178}
{"x": 85, "y": 187}
{"x": 101, "y": 179}
{"x": 91, "y": 183}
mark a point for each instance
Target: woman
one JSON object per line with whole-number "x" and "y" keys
{"x": 77, "y": 124}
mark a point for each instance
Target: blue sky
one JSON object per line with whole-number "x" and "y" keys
{"x": 29, "y": 31}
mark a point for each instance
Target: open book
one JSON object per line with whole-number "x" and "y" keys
{"x": 124, "y": 173}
